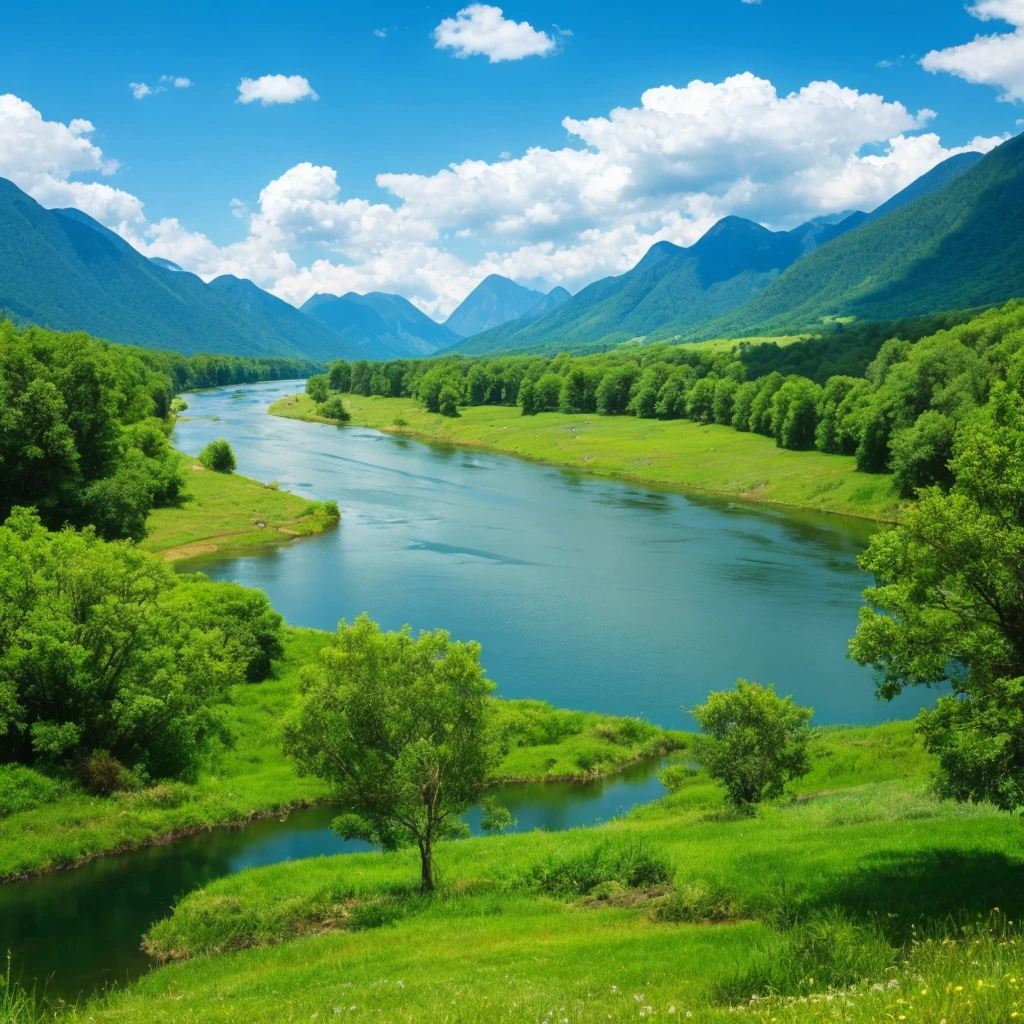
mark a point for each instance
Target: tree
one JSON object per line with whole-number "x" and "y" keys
{"x": 334, "y": 409}
{"x": 754, "y": 742}
{"x": 339, "y": 378}
{"x": 97, "y": 654}
{"x": 449, "y": 399}
{"x": 920, "y": 454}
{"x": 948, "y": 606}
{"x": 318, "y": 387}
{"x": 218, "y": 456}
{"x": 546, "y": 392}
{"x": 399, "y": 726}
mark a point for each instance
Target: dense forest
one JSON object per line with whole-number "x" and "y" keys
{"x": 84, "y": 425}
{"x": 906, "y": 389}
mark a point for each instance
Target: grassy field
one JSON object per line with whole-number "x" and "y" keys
{"x": 221, "y": 513}
{"x": 672, "y": 454}
{"x": 863, "y": 899}
{"x": 252, "y": 777}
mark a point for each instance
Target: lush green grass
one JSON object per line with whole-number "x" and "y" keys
{"x": 857, "y": 885}
{"x": 252, "y": 777}
{"x": 674, "y": 454}
{"x": 220, "y": 514}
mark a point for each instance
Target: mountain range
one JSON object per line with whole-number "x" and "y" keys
{"x": 691, "y": 292}
{"x": 952, "y": 239}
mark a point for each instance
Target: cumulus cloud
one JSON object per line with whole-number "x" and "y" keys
{"x": 665, "y": 169}
{"x": 271, "y": 89}
{"x": 140, "y": 90}
{"x": 177, "y": 81}
{"x": 996, "y": 60}
{"x": 41, "y": 156}
{"x": 483, "y": 30}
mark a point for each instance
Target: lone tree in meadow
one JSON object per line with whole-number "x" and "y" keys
{"x": 400, "y": 727}
{"x": 218, "y": 456}
{"x": 754, "y": 741}
{"x": 948, "y": 606}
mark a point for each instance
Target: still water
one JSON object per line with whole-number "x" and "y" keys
{"x": 586, "y": 593}
{"x": 76, "y": 931}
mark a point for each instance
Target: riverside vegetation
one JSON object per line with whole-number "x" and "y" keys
{"x": 886, "y": 433}
{"x": 883, "y": 883}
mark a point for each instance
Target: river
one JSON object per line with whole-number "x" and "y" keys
{"x": 587, "y": 593}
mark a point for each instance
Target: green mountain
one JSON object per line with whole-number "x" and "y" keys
{"x": 494, "y": 301}
{"x": 955, "y": 248}
{"x": 64, "y": 270}
{"x": 385, "y": 326}
{"x": 677, "y": 291}
{"x": 497, "y": 338}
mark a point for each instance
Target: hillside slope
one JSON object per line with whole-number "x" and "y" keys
{"x": 384, "y": 326}
{"x": 956, "y": 248}
{"x": 64, "y": 270}
{"x": 494, "y": 301}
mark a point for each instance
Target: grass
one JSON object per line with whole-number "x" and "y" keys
{"x": 672, "y": 454}
{"x": 252, "y": 777}
{"x": 230, "y": 514}
{"x": 864, "y": 898}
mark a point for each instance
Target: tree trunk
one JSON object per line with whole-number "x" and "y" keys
{"x": 426, "y": 866}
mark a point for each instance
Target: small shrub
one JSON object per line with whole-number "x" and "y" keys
{"x": 101, "y": 774}
{"x": 375, "y": 914}
{"x": 218, "y": 456}
{"x": 675, "y": 776}
{"x": 606, "y": 731}
{"x": 697, "y": 901}
{"x": 178, "y": 405}
{"x": 22, "y": 789}
{"x": 631, "y": 865}
{"x": 273, "y": 486}
{"x": 588, "y": 760}
{"x": 334, "y": 409}
{"x": 398, "y": 421}
{"x": 330, "y": 509}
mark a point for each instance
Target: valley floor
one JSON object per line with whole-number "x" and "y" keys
{"x": 224, "y": 513}
{"x": 672, "y": 454}
{"x": 252, "y": 778}
{"x": 863, "y": 899}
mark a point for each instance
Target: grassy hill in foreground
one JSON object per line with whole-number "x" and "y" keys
{"x": 675, "y": 454}
{"x": 838, "y": 901}
{"x": 959, "y": 247}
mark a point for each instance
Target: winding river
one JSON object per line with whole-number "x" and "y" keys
{"x": 584, "y": 592}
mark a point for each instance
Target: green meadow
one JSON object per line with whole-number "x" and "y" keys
{"x": 674, "y": 454}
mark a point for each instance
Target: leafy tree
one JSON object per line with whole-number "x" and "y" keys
{"x": 527, "y": 399}
{"x": 613, "y": 391}
{"x": 754, "y": 742}
{"x": 546, "y": 392}
{"x": 920, "y": 454}
{"x": 334, "y": 409}
{"x": 97, "y": 654}
{"x": 449, "y": 399}
{"x": 218, "y": 456}
{"x": 318, "y": 387}
{"x": 948, "y": 606}
{"x": 399, "y": 726}
{"x": 743, "y": 403}
{"x": 339, "y": 377}
{"x": 795, "y": 414}
{"x": 725, "y": 396}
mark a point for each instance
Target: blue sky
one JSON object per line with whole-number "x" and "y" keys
{"x": 392, "y": 98}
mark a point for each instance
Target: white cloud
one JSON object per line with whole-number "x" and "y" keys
{"x": 380, "y": 33}
{"x": 996, "y": 60}
{"x": 483, "y": 30}
{"x": 751, "y": 1}
{"x": 140, "y": 90}
{"x": 665, "y": 169}
{"x": 271, "y": 89}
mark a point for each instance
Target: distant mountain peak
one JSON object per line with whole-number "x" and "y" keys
{"x": 496, "y": 300}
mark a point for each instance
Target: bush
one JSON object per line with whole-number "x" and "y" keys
{"x": 21, "y": 789}
{"x": 318, "y": 387}
{"x": 218, "y": 456}
{"x": 630, "y": 865}
{"x": 334, "y": 409}
{"x": 101, "y": 774}
{"x": 697, "y": 901}
{"x": 754, "y": 742}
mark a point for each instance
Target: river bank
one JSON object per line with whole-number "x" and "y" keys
{"x": 669, "y": 454}
{"x": 252, "y": 779}
{"x": 228, "y": 514}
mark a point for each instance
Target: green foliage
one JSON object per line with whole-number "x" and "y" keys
{"x": 630, "y": 864}
{"x": 948, "y": 606}
{"x": 22, "y": 789}
{"x": 218, "y": 456}
{"x": 318, "y": 387}
{"x": 334, "y": 409}
{"x": 754, "y": 742}
{"x": 399, "y": 727}
{"x": 104, "y": 648}
{"x": 694, "y": 902}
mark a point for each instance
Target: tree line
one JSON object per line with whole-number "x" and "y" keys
{"x": 899, "y": 416}
{"x": 84, "y": 425}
